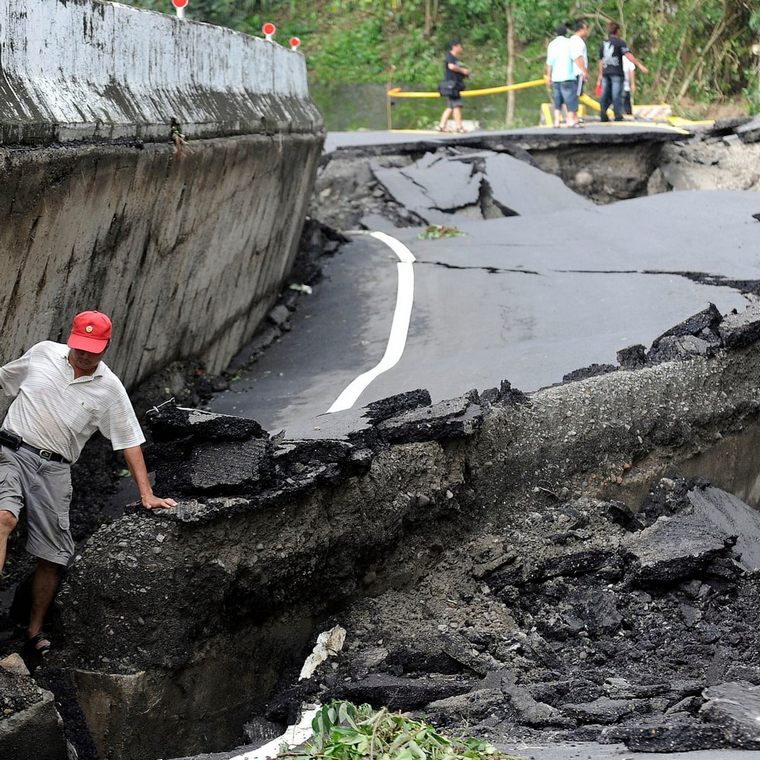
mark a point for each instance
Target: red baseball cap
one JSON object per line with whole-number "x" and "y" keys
{"x": 90, "y": 331}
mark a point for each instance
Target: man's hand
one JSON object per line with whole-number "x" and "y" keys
{"x": 136, "y": 463}
{"x": 154, "y": 502}
{"x": 643, "y": 69}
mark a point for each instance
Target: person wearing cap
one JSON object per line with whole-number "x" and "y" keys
{"x": 63, "y": 394}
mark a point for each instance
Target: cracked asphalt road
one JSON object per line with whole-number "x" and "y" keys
{"x": 514, "y": 298}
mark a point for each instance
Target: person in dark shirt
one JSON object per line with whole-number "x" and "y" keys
{"x": 453, "y": 71}
{"x": 611, "y": 76}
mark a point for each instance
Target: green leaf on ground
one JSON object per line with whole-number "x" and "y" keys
{"x": 438, "y": 231}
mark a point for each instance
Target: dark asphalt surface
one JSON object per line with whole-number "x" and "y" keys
{"x": 526, "y": 299}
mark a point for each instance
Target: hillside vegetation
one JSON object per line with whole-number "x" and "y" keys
{"x": 699, "y": 52}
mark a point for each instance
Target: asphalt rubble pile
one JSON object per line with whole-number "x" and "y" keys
{"x": 584, "y": 622}
{"x": 580, "y": 620}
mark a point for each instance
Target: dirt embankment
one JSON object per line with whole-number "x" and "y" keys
{"x": 479, "y": 538}
{"x": 352, "y": 189}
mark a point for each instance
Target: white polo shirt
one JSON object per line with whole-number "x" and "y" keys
{"x": 558, "y": 57}
{"x": 578, "y": 50}
{"x": 53, "y": 410}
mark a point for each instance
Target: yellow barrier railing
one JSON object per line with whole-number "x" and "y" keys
{"x": 397, "y": 92}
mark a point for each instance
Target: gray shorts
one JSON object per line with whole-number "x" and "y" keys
{"x": 44, "y": 488}
{"x": 455, "y": 102}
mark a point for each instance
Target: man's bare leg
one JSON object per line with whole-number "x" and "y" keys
{"x": 44, "y": 585}
{"x": 444, "y": 119}
{"x": 458, "y": 118}
{"x": 7, "y": 524}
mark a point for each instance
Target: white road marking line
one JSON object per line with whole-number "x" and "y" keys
{"x": 399, "y": 327}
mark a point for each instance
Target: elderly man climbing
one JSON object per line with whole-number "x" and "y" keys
{"x": 63, "y": 394}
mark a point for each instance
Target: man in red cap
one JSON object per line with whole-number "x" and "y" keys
{"x": 63, "y": 394}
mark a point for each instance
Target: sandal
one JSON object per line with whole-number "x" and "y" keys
{"x": 40, "y": 644}
{"x": 439, "y": 128}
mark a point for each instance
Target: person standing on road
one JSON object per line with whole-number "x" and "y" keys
{"x": 63, "y": 394}
{"x": 559, "y": 71}
{"x": 629, "y": 86}
{"x": 455, "y": 73}
{"x": 579, "y": 54}
{"x": 611, "y": 76}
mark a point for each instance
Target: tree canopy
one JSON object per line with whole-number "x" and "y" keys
{"x": 696, "y": 49}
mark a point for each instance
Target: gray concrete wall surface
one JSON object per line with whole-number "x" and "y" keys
{"x": 185, "y": 248}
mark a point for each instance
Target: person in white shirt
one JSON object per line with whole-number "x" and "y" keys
{"x": 63, "y": 394}
{"x": 629, "y": 85}
{"x": 579, "y": 55}
{"x": 559, "y": 71}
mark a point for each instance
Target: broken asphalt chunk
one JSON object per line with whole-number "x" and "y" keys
{"x": 505, "y": 394}
{"x": 508, "y": 177}
{"x": 470, "y": 708}
{"x": 30, "y": 725}
{"x": 735, "y": 709}
{"x": 603, "y": 710}
{"x": 455, "y": 418}
{"x": 633, "y": 357}
{"x": 170, "y": 422}
{"x": 673, "y": 348}
{"x": 742, "y": 329}
{"x": 223, "y": 467}
{"x": 402, "y": 694}
{"x": 460, "y": 650}
{"x": 593, "y": 370}
{"x": 695, "y": 336}
{"x": 673, "y": 548}
{"x": 381, "y": 410}
{"x": 707, "y": 319}
{"x": 531, "y": 712}
{"x": 680, "y": 733}
{"x": 577, "y": 563}
{"x": 733, "y": 517}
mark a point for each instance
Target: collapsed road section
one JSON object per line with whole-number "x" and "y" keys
{"x": 154, "y": 169}
{"x": 516, "y": 277}
{"x": 484, "y": 554}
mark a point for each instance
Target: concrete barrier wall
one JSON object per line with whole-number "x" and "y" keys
{"x": 79, "y": 70}
{"x": 98, "y": 209}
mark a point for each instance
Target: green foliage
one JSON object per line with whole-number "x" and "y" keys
{"x": 438, "y": 231}
{"x": 696, "y": 50}
{"x": 343, "y": 731}
{"x": 365, "y": 39}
